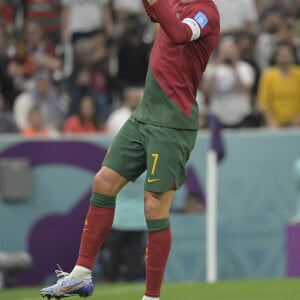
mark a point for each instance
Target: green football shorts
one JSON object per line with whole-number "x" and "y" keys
{"x": 162, "y": 151}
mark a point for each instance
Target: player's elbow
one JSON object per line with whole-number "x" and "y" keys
{"x": 179, "y": 39}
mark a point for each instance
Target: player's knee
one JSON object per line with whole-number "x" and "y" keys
{"x": 103, "y": 183}
{"x": 151, "y": 206}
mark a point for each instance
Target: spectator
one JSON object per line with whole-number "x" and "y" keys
{"x": 114, "y": 45}
{"x": 288, "y": 30}
{"x": 271, "y": 6}
{"x": 288, "y": 33}
{"x": 261, "y": 5}
{"x": 44, "y": 96}
{"x": 124, "y": 10}
{"x": 279, "y": 90}
{"x": 47, "y": 14}
{"x": 246, "y": 45}
{"x": 80, "y": 19}
{"x": 296, "y": 10}
{"x": 7, "y": 41}
{"x": 7, "y": 15}
{"x": 133, "y": 54}
{"x": 91, "y": 74}
{"x": 36, "y": 126}
{"x": 7, "y": 47}
{"x": 7, "y": 124}
{"x": 267, "y": 38}
{"x": 227, "y": 85}
{"x": 202, "y": 107}
{"x": 34, "y": 53}
{"x": 99, "y": 73}
{"x": 237, "y": 15}
{"x": 42, "y": 51}
{"x": 116, "y": 120}
{"x": 86, "y": 121}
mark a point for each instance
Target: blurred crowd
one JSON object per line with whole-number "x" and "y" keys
{"x": 79, "y": 66}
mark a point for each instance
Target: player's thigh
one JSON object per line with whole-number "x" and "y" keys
{"x": 168, "y": 151}
{"x": 127, "y": 155}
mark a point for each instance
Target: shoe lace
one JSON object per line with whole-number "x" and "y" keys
{"x": 60, "y": 273}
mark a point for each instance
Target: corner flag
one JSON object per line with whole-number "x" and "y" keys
{"x": 216, "y": 142}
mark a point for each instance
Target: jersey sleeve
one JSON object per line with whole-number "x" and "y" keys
{"x": 208, "y": 20}
{"x": 150, "y": 12}
{"x": 197, "y": 24}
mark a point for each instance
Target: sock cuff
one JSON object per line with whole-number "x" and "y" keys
{"x": 81, "y": 272}
{"x": 158, "y": 225}
{"x": 104, "y": 201}
{"x": 150, "y": 298}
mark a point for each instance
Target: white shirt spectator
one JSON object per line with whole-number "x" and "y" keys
{"x": 22, "y": 107}
{"x": 132, "y": 97}
{"x": 227, "y": 100}
{"x": 128, "y": 5}
{"x": 236, "y": 14}
{"x": 117, "y": 119}
{"x": 84, "y": 15}
{"x": 43, "y": 96}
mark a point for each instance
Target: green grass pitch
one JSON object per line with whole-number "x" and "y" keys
{"x": 224, "y": 290}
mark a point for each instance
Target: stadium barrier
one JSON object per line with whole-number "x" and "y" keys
{"x": 256, "y": 201}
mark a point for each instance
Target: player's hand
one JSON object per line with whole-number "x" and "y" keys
{"x": 151, "y": 2}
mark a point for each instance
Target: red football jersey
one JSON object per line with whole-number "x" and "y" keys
{"x": 188, "y": 34}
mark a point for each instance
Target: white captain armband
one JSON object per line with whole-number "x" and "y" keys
{"x": 196, "y": 30}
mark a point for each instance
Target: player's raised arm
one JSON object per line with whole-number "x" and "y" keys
{"x": 179, "y": 31}
{"x": 150, "y": 11}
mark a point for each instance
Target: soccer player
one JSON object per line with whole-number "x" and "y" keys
{"x": 157, "y": 138}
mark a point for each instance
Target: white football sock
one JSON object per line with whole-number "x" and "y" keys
{"x": 150, "y": 298}
{"x": 81, "y": 273}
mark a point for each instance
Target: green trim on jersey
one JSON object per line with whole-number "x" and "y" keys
{"x": 156, "y": 108}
